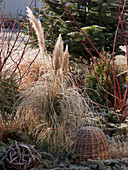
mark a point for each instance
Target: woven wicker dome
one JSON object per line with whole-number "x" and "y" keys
{"x": 90, "y": 143}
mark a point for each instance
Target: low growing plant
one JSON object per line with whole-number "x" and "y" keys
{"x": 8, "y": 94}
{"x": 99, "y": 88}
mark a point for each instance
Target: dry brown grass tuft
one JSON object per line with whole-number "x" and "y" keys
{"x": 52, "y": 111}
{"x": 119, "y": 147}
{"x": 32, "y": 72}
{"x": 9, "y": 123}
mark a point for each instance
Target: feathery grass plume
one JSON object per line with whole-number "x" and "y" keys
{"x": 58, "y": 54}
{"x": 65, "y": 62}
{"x": 38, "y": 28}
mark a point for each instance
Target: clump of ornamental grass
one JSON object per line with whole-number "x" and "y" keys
{"x": 9, "y": 122}
{"x": 119, "y": 147}
{"x": 51, "y": 110}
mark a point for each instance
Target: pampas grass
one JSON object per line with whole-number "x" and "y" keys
{"x": 39, "y": 30}
{"x": 58, "y": 54}
{"x": 52, "y": 110}
{"x": 65, "y": 62}
{"x": 10, "y": 123}
{"x": 60, "y": 61}
{"x": 53, "y": 114}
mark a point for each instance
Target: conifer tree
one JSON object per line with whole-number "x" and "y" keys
{"x": 95, "y": 19}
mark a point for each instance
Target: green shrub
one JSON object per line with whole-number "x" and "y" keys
{"x": 94, "y": 18}
{"x": 95, "y": 90}
{"x": 8, "y": 94}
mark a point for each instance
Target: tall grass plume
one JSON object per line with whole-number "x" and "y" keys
{"x": 58, "y": 54}
{"x": 39, "y": 30}
{"x": 65, "y": 62}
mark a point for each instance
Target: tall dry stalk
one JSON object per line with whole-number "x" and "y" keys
{"x": 65, "y": 62}
{"x": 39, "y": 30}
{"x": 58, "y": 54}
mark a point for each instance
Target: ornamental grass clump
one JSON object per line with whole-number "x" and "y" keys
{"x": 51, "y": 110}
{"x": 32, "y": 70}
{"x": 119, "y": 147}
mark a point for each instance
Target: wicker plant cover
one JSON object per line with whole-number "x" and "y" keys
{"x": 90, "y": 143}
